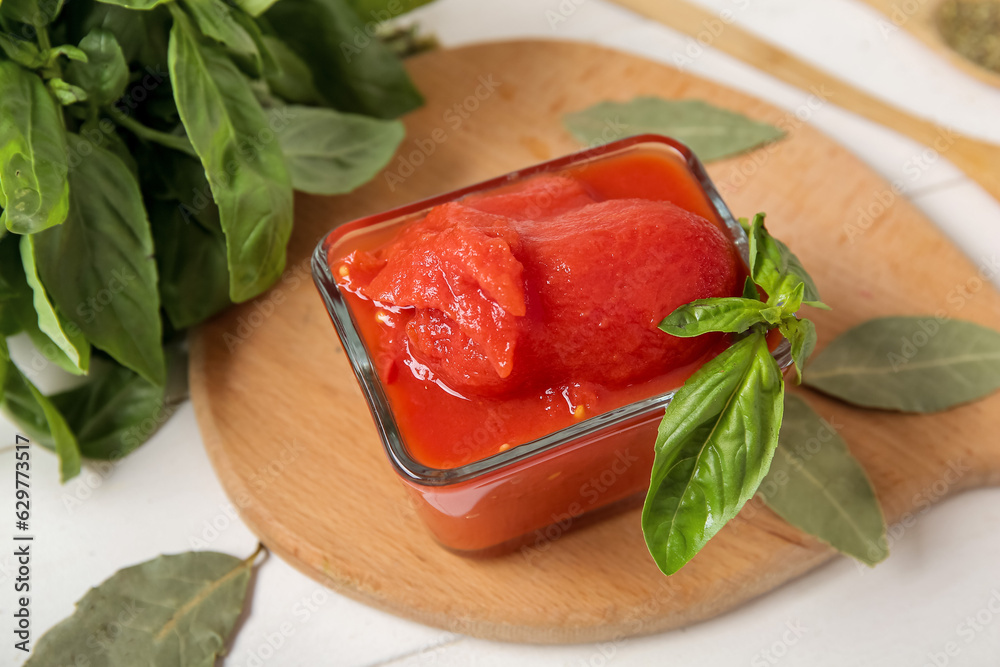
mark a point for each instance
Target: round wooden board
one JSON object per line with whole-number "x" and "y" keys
{"x": 292, "y": 442}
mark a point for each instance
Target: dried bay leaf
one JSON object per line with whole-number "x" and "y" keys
{"x": 817, "y": 486}
{"x": 711, "y": 132}
{"x": 911, "y": 364}
{"x": 175, "y": 610}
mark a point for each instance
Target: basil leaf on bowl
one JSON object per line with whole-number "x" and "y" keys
{"x": 714, "y": 447}
{"x": 727, "y": 314}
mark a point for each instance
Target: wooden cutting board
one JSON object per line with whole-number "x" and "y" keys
{"x": 290, "y": 437}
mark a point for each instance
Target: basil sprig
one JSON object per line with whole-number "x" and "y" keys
{"x": 720, "y": 431}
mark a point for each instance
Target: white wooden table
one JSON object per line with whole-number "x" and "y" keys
{"x": 915, "y": 608}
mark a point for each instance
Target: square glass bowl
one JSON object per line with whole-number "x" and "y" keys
{"x": 532, "y": 493}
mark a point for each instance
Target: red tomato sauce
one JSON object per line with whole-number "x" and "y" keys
{"x": 511, "y": 314}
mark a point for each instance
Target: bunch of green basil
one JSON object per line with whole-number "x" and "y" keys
{"x": 148, "y": 153}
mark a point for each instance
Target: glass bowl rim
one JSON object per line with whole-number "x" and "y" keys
{"x": 361, "y": 364}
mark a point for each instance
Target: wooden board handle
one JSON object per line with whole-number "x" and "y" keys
{"x": 978, "y": 159}
{"x": 919, "y": 21}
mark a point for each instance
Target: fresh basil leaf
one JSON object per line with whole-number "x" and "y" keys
{"x": 172, "y": 610}
{"x": 750, "y": 290}
{"x": 330, "y": 153}
{"x": 711, "y": 132}
{"x": 792, "y": 300}
{"x": 254, "y": 7}
{"x": 67, "y": 336}
{"x": 35, "y": 414}
{"x": 33, "y": 159}
{"x": 136, "y": 4}
{"x": 291, "y": 79}
{"x": 99, "y": 267}
{"x": 910, "y": 364}
{"x": 817, "y": 486}
{"x": 105, "y": 74}
{"x": 68, "y": 50}
{"x": 714, "y": 447}
{"x": 21, "y": 51}
{"x": 66, "y": 93}
{"x": 141, "y": 35}
{"x": 776, "y": 269}
{"x": 5, "y": 362}
{"x": 768, "y": 264}
{"x": 802, "y": 336}
{"x": 45, "y": 347}
{"x": 772, "y": 315}
{"x": 194, "y": 279}
{"x": 37, "y": 13}
{"x": 20, "y": 406}
{"x": 352, "y": 70}
{"x": 727, "y": 314}
{"x": 113, "y": 413}
{"x": 255, "y": 198}
{"x": 18, "y": 313}
{"x": 262, "y": 62}
{"x": 216, "y": 19}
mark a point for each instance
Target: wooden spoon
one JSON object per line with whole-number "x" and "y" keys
{"x": 918, "y": 19}
{"x": 980, "y": 160}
